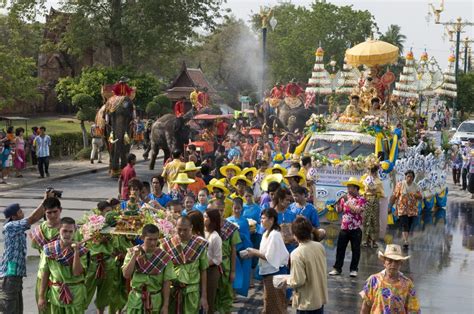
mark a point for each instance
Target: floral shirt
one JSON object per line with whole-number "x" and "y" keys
{"x": 13, "y": 261}
{"x": 407, "y": 204}
{"x": 351, "y": 220}
{"x": 386, "y": 297}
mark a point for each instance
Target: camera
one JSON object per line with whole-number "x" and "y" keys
{"x": 56, "y": 193}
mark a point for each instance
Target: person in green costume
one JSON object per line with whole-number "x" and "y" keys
{"x": 230, "y": 238}
{"x": 62, "y": 284}
{"x": 189, "y": 256}
{"x": 150, "y": 270}
{"x": 101, "y": 274}
{"x": 46, "y": 232}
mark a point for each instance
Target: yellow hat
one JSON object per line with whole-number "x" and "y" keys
{"x": 293, "y": 172}
{"x": 253, "y": 170}
{"x": 235, "y": 179}
{"x": 216, "y": 184}
{"x": 182, "y": 178}
{"x": 224, "y": 169}
{"x": 277, "y": 177}
{"x": 190, "y": 166}
{"x": 276, "y": 167}
{"x": 353, "y": 181}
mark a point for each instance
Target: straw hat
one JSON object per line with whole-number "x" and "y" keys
{"x": 393, "y": 251}
{"x": 236, "y": 179}
{"x": 276, "y": 167}
{"x": 190, "y": 166}
{"x": 353, "y": 181}
{"x": 293, "y": 172}
{"x": 277, "y": 177}
{"x": 245, "y": 171}
{"x": 182, "y": 178}
{"x": 224, "y": 169}
{"x": 213, "y": 184}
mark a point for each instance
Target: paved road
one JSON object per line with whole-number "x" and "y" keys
{"x": 441, "y": 264}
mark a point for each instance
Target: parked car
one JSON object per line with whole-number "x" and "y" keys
{"x": 464, "y": 133}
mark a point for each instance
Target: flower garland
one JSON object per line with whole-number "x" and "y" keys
{"x": 345, "y": 162}
{"x": 92, "y": 227}
{"x": 373, "y": 125}
{"x": 315, "y": 123}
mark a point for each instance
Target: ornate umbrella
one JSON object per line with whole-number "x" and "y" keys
{"x": 372, "y": 53}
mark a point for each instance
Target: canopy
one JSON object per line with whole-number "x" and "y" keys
{"x": 371, "y": 53}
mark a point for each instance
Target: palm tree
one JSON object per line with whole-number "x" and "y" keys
{"x": 393, "y": 36}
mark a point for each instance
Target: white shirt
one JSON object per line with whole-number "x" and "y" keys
{"x": 214, "y": 248}
{"x": 274, "y": 249}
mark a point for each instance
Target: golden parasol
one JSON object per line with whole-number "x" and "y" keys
{"x": 372, "y": 53}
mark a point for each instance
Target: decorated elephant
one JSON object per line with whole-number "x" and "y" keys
{"x": 283, "y": 116}
{"x": 115, "y": 118}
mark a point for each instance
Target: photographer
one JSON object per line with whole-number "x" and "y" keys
{"x": 13, "y": 264}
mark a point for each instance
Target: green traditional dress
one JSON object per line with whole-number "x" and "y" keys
{"x": 225, "y": 292}
{"x": 101, "y": 274}
{"x": 189, "y": 259}
{"x": 40, "y": 236}
{"x": 151, "y": 271}
{"x": 66, "y": 292}
{"x": 121, "y": 297}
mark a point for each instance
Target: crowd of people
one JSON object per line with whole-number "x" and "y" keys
{"x": 234, "y": 225}
{"x": 462, "y": 165}
{"x": 15, "y": 148}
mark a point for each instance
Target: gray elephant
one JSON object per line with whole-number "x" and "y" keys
{"x": 118, "y": 112}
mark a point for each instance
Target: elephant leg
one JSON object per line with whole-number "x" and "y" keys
{"x": 147, "y": 152}
{"x": 154, "y": 153}
{"x": 124, "y": 156}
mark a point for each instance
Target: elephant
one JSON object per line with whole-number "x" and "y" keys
{"x": 283, "y": 117}
{"x": 120, "y": 111}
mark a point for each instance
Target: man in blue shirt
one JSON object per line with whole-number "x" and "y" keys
{"x": 42, "y": 143}
{"x": 234, "y": 152}
{"x": 157, "y": 195}
{"x": 13, "y": 263}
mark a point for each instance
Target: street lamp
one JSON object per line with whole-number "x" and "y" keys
{"x": 452, "y": 27}
{"x": 265, "y": 14}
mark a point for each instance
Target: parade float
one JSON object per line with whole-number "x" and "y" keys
{"x": 372, "y": 130}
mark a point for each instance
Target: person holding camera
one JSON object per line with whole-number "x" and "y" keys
{"x": 13, "y": 263}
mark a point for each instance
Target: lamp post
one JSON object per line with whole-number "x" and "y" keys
{"x": 451, "y": 27}
{"x": 265, "y": 15}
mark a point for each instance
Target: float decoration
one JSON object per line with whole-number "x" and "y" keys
{"x": 319, "y": 83}
{"x": 448, "y": 87}
{"x": 406, "y": 87}
{"x": 371, "y": 53}
{"x": 348, "y": 80}
{"x": 315, "y": 123}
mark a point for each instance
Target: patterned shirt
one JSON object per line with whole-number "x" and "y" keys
{"x": 386, "y": 297}
{"x": 13, "y": 261}
{"x": 42, "y": 145}
{"x": 351, "y": 220}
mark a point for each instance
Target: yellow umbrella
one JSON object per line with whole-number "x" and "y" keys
{"x": 371, "y": 53}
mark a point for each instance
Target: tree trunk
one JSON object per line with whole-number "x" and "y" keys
{"x": 85, "y": 139}
{"x": 114, "y": 44}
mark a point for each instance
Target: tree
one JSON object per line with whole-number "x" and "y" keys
{"x": 85, "y": 104}
{"x": 465, "y": 93}
{"x": 300, "y": 30}
{"x": 132, "y": 31}
{"x": 394, "y": 37}
{"x": 159, "y": 106}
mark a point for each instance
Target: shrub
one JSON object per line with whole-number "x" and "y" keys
{"x": 159, "y": 106}
{"x": 83, "y": 154}
{"x": 66, "y": 144}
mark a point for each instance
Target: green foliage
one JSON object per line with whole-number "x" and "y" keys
{"x": 394, "y": 37}
{"x": 85, "y": 104}
{"x": 159, "y": 106}
{"x": 291, "y": 45}
{"x": 92, "y": 79}
{"x": 465, "y": 91}
{"x": 17, "y": 82}
{"x": 83, "y": 154}
{"x": 66, "y": 144}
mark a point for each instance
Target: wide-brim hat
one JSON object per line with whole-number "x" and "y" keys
{"x": 293, "y": 172}
{"x": 394, "y": 252}
{"x": 224, "y": 169}
{"x": 190, "y": 166}
{"x": 182, "y": 178}
{"x": 277, "y": 177}
{"x": 353, "y": 181}
{"x": 216, "y": 184}
{"x": 238, "y": 178}
{"x": 269, "y": 171}
{"x": 245, "y": 171}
